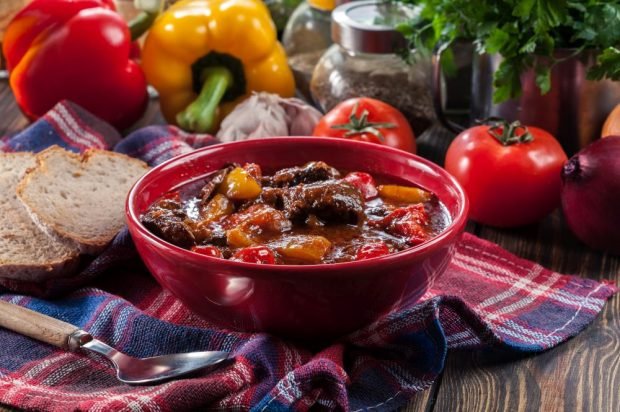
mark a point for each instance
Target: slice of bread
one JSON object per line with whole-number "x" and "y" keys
{"x": 80, "y": 198}
{"x": 26, "y": 252}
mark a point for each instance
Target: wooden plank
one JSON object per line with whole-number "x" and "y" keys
{"x": 11, "y": 119}
{"x": 580, "y": 375}
{"x": 423, "y": 401}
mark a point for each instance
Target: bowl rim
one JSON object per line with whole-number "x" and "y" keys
{"x": 452, "y": 230}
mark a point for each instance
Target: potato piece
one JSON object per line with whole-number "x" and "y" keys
{"x": 237, "y": 238}
{"x": 309, "y": 249}
{"x": 239, "y": 185}
{"x": 404, "y": 194}
{"x": 217, "y": 207}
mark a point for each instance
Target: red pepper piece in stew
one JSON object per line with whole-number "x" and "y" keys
{"x": 255, "y": 254}
{"x": 372, "y": 250}
{"x": 208, "y": 251}
{"x": 409, "y": 222}
{"x": 364, "y": 183}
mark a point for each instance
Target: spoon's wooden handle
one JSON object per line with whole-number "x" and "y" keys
{"x": 36, "y": 325}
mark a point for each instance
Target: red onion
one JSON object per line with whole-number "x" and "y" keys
{"x": 591, "y": 194}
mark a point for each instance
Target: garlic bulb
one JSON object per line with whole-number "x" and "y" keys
{"x": 265, "y": 115}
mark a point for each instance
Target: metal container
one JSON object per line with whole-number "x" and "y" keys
{"x": 365, "y": 60}
{"x": 573, "y": 111}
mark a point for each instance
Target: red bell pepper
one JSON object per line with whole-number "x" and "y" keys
{"x": 77, "y": 50}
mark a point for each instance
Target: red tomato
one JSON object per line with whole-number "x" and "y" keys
{"x": 372, "y": 250}
{"x": 255, "y": 254}
{"x": 364, "y": 183}
{"x": 208, "y": 251}
{"x": 368, "y": 120}
{"x": 508, "y": 184}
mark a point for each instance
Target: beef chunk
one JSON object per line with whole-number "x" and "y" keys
{"x": 208, "y": 189}
{"x": 206, "y": 233}
{"x": 309, "y": 173}
{"x": 272, "y": 196}
{"x": 331, "y": 201}
{"x": 167, "y": 220}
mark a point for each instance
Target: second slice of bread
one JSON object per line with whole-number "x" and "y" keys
{"x": 80, "y": 198}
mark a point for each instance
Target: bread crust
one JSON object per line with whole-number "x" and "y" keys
{"x": 85, "y": 245}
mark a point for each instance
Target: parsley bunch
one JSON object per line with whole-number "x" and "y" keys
{"x": 526, "y": 33}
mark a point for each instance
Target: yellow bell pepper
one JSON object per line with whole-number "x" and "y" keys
{"x": 206, "y": 56}
{"x": 307, "y": 248}
{"x": 239, "y": 185}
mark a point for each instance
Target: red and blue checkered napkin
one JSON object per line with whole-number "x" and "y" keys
{"x": 488, "y": 298}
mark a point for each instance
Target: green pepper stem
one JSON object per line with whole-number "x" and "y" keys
{"x": 141, "y": 23}
{"x": 201, "y": 115}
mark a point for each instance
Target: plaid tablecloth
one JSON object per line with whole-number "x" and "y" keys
{"x": 488, "y": 298}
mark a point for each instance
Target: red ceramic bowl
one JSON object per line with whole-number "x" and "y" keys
{"x": 307, "y": 302}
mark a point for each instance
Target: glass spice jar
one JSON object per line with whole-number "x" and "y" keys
{"x": 305, "y": 38}
{"x": 365, "y": 61}
{"x": 281, "y": 11}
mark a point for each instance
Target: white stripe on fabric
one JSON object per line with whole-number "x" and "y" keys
{"x": 14, "y": 383}
{"x": 179, "y": 149}
{"x": 513, "y": 275}
{"x": 157, "y": 303}
{"x": 104, "y": 316}
{"x": 172, "y": 311}
{"x": 568, "y": 322}
{"x": 545, "y": 342}
{"x": 503, "y": 276}
{"x": 529, "y": 299}
{"x": 513, "y": 329}
{"x": 156, "y": 151}
{"x": 74, "y": 137}
{"x": 458, "y": 336}
{"x": 519, "y": 285}
{"x": 40, "y": 367}
{"x": 65, "y": 370}
{"x": 120, "y": 325}
{"x": 70, "y": 121}
{"x": 33, "y": 372}
{"x": 465, "y": 343}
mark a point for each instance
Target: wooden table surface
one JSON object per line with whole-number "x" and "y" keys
{"x": 580, "y": 375}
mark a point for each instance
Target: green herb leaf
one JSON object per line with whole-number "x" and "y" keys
{"x": 507, "y": 81}
{"x": 524, "y": 8}
{"x": 525, "y": 33}
{"x": 497, "y": 40}
{"x": 543, "y": 79}
{"x": 607, "y": 65}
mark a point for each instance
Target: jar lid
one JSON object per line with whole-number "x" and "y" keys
{"x": 369, "y": 26}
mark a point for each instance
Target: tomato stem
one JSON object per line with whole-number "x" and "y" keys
{"x": 359, "y": 125}
{"x": 509, "y": 133}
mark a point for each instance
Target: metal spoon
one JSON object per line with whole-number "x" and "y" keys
{"x": 128, "y": 369}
